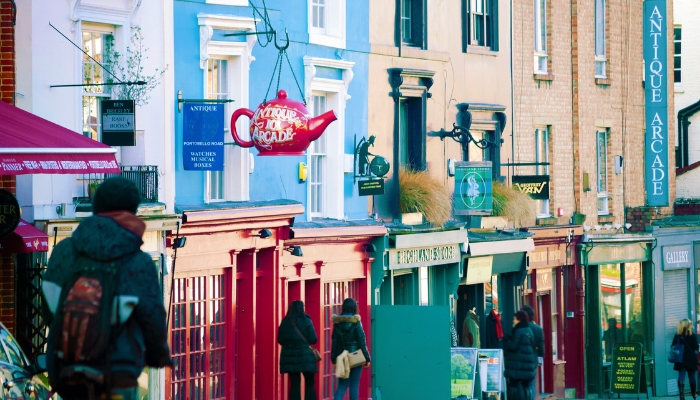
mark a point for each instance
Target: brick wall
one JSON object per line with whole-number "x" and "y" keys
{"x": 7, "y": 90}
{"x": 641, "y": 217}
{"x": 574, "y": 104}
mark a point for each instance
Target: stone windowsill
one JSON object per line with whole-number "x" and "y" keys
{"x": 606, "y": 219}
{"x": 483, "y": 50}
{"x": 603, "y": 81}
{"x": 543, "y": 77}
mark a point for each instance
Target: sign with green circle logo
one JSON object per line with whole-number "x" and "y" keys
{"x": 473, "y": 188}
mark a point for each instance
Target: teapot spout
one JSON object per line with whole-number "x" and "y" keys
{"x": 319, "y": 124}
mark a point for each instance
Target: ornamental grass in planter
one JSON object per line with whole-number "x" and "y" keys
{"x": 513, "y": 204}
{"x": 420, "y": 192}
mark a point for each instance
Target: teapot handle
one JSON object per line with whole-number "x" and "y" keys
{"x": 241, "y": 111}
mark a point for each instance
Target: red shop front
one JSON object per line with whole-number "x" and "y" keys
{"x": 239, "y": 269}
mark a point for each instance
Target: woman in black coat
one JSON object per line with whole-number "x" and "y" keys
{"x": 296, "y": 334}
{"x": 521, "y": 358}
{"x": 684, "y": 335}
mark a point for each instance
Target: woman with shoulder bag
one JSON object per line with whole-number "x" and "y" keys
{"x": 349, "y": 335}
{"x": 296, "y": 334}
{"x": 684, "y": 335}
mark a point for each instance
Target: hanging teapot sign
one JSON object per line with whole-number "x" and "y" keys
{"x": 281, "y": 127}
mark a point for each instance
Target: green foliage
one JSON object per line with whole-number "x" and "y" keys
{"x": 128, "y": 68}
{"x": 459, "y": 367}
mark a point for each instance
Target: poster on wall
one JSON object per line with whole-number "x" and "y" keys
{"x": 463, "y": 372}
{"x": 203, "y": 137}
{"x": 473, "y": 193}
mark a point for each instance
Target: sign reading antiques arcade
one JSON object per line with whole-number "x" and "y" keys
{"x": 655, "y": 47}
{"x": 537, "y": 186}
{"x": 203, "y": 137}
{"x": 473, "y": 188}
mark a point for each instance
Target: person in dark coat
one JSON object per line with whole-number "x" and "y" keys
{"x": 493, "y": 334}
{"x": 610, "y": 336}
{"x": 348, "y": 335}
{"x": 521, "y": 358}
{"x": 538, "y": 335}
{"x": 296, "y": 334}
{"x": 684, "y": 335}
{"x": 113, "y": 235}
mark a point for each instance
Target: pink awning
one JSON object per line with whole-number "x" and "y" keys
{"x": 33, "y": 145}
{"x": 25, "y": 239}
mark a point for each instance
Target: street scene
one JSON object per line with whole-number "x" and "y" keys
{"x": 349, "y": 199}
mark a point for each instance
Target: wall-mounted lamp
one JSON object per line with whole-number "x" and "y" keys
{"x": 295, "y": 250}
{"x": 369, "y": 248}
{"x": 263, "y": 234}
{"x": 179, "y": 242}
{"x": 302, "y": 172}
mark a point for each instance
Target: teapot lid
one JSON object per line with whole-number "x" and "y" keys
{"x": 283, "y": 101}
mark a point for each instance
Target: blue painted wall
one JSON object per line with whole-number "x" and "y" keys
{"x": 274, "y": 177}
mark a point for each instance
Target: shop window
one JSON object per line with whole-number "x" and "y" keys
{"x": 491, "y": 296}
{"x": 677, "y": 54}
{"x": 198, "y": 337}
{"x": 411, "y": 23}
{"x": 217, "y": 88}
{"x": 424, "y": 296}
{"x": 412, "y": 133}
{"x": 480, "y": 24}
{"x": 542, "y": 156}
{"x": 97, "y": 43}
{"x": 334, "y": 293}
{"x": 327, "y": 22}
{"x": 600, "y": 40}
{"x": 602, "y": 171}
{"x": 540, "y": 19}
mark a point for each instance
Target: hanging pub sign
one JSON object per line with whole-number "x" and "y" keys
{"x": 655, "y": 48}
{"x": 281, "y": 127}
{"x": 472, "y": 194}
{"x": 537, "y": 186}
{"x": 370, "y": 173}
{"x": 9, "y": 213}
{"x": 203, "y": 137}
{"x": 370, "y": 187}
{"x": 118, "y": 124}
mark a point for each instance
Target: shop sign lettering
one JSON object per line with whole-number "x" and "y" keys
{"x": 677, "y": 257}
{"x": 547, "y": 256}
{"x": 537, "y": 186}
{"x": 203, "y": 137}
{"x": 9, "y": 213}
{"x": 424, "y": 256}
{"x": 627, "y": 373}
{"x": 613, "y": 254}
{"x": 479, "y": 270}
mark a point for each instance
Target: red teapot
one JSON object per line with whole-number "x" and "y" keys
{"x": 281, "y": 127}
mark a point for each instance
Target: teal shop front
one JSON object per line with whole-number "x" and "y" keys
{"x": 414, "y": 280}
{"x": 619, "y": 303}
{"x": 676, "y": 259}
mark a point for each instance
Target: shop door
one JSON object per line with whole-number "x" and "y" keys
{"x": 411, "y": 352}
{"x": 676, "y": 302}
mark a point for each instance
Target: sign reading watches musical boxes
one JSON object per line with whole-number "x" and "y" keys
{"x": 203, "y": 137}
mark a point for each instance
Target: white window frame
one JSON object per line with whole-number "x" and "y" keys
{"x": 222, "y": 95}
{"x": 334, "y": 34}
{"x": 600, "y": 54}
{"x": 677, "y": 55}
{"x": 336, "y": 97}
{"x": 602, "y": 188}
{"x": 543, "y": 211}
{"x": 476, "y": 13}
{"x": 319, "y": 12}
{"x": 105, "y": 93}
{"x": 540, "y": 20}
{"x": 313, "y": 153}
{"x": 237, "y": 164}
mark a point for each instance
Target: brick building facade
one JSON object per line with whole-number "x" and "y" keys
{"x": 7, "y": 93}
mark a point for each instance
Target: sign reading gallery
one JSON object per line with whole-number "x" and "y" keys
{"x": 656, "y": 102}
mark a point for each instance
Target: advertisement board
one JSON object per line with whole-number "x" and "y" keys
{"x": 203, "y": 137}
{"x": 473, "y": 188}
{"x": 463, "y": 372}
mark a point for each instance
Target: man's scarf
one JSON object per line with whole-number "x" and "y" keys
{"x": 499, "y": 326}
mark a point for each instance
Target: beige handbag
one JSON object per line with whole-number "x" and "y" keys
{"x": 356, "y": 358}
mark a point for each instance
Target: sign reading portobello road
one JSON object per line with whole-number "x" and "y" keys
{"x": 424, "y": 256}
{"x": 656, "y": 102}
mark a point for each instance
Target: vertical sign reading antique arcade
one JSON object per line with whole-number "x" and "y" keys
{"x": 656, "y": 102}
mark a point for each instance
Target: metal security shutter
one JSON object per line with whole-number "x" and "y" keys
{"x": 676, "y": 308}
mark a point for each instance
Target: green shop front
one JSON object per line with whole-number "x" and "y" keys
{"x": 619, "y": 303}
{"x": 676, "y": 259}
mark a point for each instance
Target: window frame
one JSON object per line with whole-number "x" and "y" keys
{"x": 490, "y": 25}
{"x": 600, "y": 49}
{"x": 541, "y": 58}
{"x": 602, "y": 174}
{"x": 677, "y": 43}
{"x": 99, "y": 93}
{"x": 543, "y": 211}
{"x": 220, "y": 93}
{"x": 318, "y": 199}
{"x": 419, "y": 31}
{"x": 333, "y": 34}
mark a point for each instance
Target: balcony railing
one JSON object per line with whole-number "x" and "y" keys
{"x": 144, "y": 176}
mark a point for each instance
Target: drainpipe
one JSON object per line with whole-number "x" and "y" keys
{"x": 512, "y": 102}
{"x": 683, "y": 123}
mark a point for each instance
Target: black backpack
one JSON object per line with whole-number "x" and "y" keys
{"x": 81, "y": 335}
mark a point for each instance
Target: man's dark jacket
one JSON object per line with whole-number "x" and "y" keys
{"x": 102, "y": 240}
{"x": 348, "y": 335}
{"x": 538, "y": 334}
{"x": 296, "y": 356}
{"x": 519, "y": 352}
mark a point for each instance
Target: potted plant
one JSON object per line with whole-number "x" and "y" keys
{"x": 515, "y": 206}
{"x": 92, "y": 188}
{"x": 423, "y": 196}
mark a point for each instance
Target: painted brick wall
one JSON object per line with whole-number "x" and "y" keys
{"x": 574, "y": 104}
{"x": 7, "y": 90}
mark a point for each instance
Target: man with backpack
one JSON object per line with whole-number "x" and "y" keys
{"x": 105, "y": 305}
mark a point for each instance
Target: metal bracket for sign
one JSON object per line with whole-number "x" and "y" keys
{"x": 137, "y": 83}
{"x": 274, "y": 33}
{"x": 524, "y": 164}
{"x": 180, "y": 100}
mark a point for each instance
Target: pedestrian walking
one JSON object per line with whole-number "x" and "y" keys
{"x": 348, "y": 335}
{"x": 684, "y": 335}
{"x": 521, "y": 358}
{"x": 100, "y": 280}
{"x": 296, "y": 334}
{"x": 538, "y": 335}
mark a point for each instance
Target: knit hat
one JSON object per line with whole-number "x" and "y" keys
{"x": 116, "y": 194}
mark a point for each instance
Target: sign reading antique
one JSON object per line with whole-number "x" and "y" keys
{"x": 370, "y": 187}
{"x": 281, "y": 127}
{"x": 203, "y": 137}
{"x": 537, "y": 186}
{"x": 479, "y": 270}
{"x": 472, "y": 194}
{"x": 627, "y": 369}
{"x": 677, "y": 257}
{"x": 655, "y": 47}
{"x": 118, "y": 125}
{"x": 423, "y": 256}
{"x": 9, "y": 213}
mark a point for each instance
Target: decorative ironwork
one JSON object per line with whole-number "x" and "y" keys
{"x": 145, "y": 177}
{"x": 32, "y": 330}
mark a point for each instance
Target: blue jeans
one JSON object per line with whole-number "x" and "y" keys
{"x": 353, "y": 382}
{"x": 681, "y": 375}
